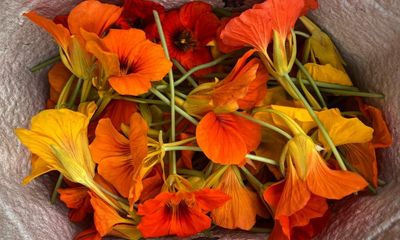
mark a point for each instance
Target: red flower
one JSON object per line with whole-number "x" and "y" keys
{"x": 139, "y": 14}
{"x": 187, "y": 32}
{"x": 181, "y": 213}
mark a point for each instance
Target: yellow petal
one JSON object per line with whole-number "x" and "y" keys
{"x": 320, "y": 48}
{"x": 58, "y": 138}
{"x": 343, "y": 130}
{"x": 300, "y": 115}
{"x": 39, "y": 167}
{"x": 327, "y": 73}
{"x": 87, "y": 108}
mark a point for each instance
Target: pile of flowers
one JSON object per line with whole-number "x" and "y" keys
{"x": 172, "y": 122}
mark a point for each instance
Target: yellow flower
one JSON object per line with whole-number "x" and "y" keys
{"x": 58, "y": 140}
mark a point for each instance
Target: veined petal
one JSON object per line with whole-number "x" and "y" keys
{"x": 92, "y": 16}
{"x": 331, "y": 184}
{"x": 38, "y": 168}
{"x": 252, "y": 28}
{"x": 300, "y": 115}
{"x": 327, "y": 73}
{"x": 105, "y": 216}
{"x": 343, "y": 130}
{"x": 58, "y": 137}
{"x": 60, "y": 34}
{"x": 235, "y": 137}
{"x": 362, "y": 156}
{"x": 138, "y": 139}
{"x": 241, "y": 210}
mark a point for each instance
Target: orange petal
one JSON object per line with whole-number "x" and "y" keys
{"x": 58, "y": 31}
{"x": 241, "y": 210}
{"x": 92, "y": 16}
{"x": 88, "y": 234}
{"x": 252, "y": 28}
{"x": 138, "y": 139}
{"x": 362, "y": 156}
{"x": 105, "y": 216}
{"x": 78, "y": 200}
{"x": 210, "y": 199}
{"x": 58, "y": 77}
{"x": 120, "y": 112}
{"x": 382, "y": 138}
{"x": 257, "y": 89}
{"x": 234, "y": 136}
{"x": 283, "y": 14}
{"x": 111, "y": 151}
{"x": 331, "y": 184}
{"x": 295, "y": 194}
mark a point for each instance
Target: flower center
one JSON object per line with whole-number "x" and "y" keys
{"x": 184, "y": 41}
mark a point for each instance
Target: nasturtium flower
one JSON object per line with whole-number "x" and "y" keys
{"x": 139, "y": 61}
{"x": 91, "y": 16}
{"x": 241, "y": 211}
{"x": 58, "y": 138}
{"x": 181, "y": 213}
{"x": 188, "y": 31}
{"x": 138, "y": 14}
{"x": 305, "y": 222}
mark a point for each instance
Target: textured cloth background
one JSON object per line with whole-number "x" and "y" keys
{"x": 366, "y": 31}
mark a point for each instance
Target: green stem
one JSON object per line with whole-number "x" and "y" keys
{"x": 45, "y": 63}
{"x": 172, "y": 161}
{"x": 312, "y": 82}
{"x": 253, "y": 180}
{"x": 182, "y": 148}
{"x": 191, "y": 172}
{"x": 264, "y": 124}
{"x": 159, "y": 123}
{"x": 202, "y": 66}
{"x": 56, "y": 187}
{"x": 352, "y": 93}
{"x": 183, "y": 71}
{"x": 319, "y": 123}
{"x": 303, "y": 34}
{"x": 262, "y": 159}
{"x": 87, "y": 85}
{"x": 139, "y": 100}
{"x": 62, "y": 99}
{"x": 75, "y": 92}
{"x": 179, "y": 110}
{"x": 325, "y": 85}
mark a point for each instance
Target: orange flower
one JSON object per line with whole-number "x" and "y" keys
{"x": 181, "y": 213}
{"x": 140, "y": 60}
{"x": 307, "y": 174}
{"x": 302, "y": 222}
{"x": 117, "y": 156}
{"x": 240, "y": 212}
{"x": 234, "y": 136}
{"x": 88, "y": 234}
{"x": 90, "y": 16}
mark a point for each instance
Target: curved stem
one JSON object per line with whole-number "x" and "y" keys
{"x": 319, "y": 123}
{"x": 179, "y": 110}
{"x": 312, "y": 82}
{"x": 262, "y": 159}
{"x": 183, "y": 71}
{"x": 139, "y": 100}
{"x": 56, "y": 187}
{"x": 253, "y": 180}
{"x": 352, "y": 93}
{"x": 202, "y": 66}
{"x": 264, "y": 124}
{"x": 45, "y": 63}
